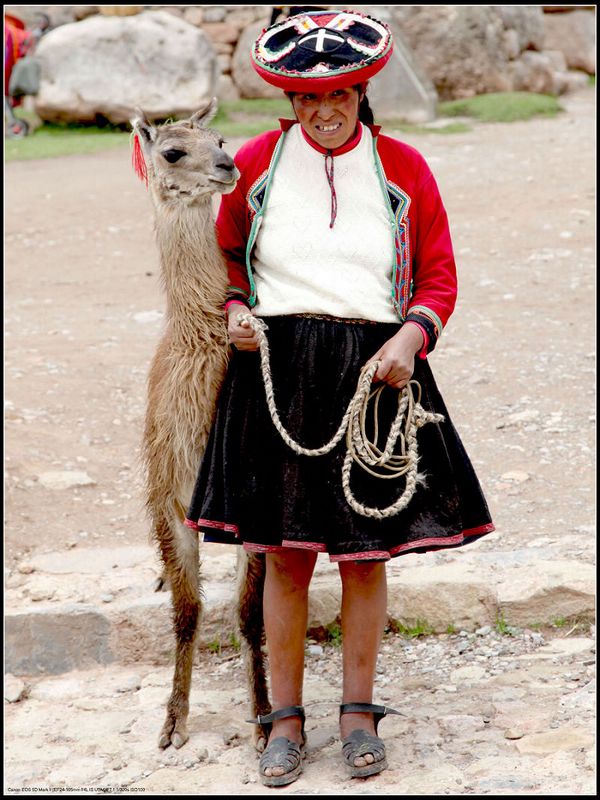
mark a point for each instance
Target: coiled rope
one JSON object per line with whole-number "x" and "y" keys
{"x": 409, "y": 417}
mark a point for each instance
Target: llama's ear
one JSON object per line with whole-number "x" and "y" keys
{"x": 202, "y": 117}
{"x": 142, "y": 125}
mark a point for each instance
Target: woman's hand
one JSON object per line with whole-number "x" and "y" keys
{"x": 241, "y": 335}
{"x": 397, "y": 356}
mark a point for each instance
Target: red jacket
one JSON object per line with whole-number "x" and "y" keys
{"x": 423, "y": 286}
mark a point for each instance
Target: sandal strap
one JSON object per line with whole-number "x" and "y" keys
{"x": 378, "y": 711}
{"x": 281, "y": 713}
{"x": 381, "y": 711}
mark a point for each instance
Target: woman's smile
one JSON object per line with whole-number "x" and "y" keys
{"x": 329, "y": 118}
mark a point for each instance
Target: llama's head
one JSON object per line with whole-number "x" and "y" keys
{"x": 184, "y": 161}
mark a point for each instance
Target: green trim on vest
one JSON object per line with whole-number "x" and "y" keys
{"x": 258, "y": 217}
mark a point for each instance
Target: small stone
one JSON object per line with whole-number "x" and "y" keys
{"x": 38, "y": 595}
{"x": 25, "y": 568}
{"x": 513, "y": 733}
{"x": 130, "y": 684}
{"x": 107, "y": 598}
{"x": 553, "y": 741}
{"x": 14, "y": 688}
{"x": 66, "y": 479}
{"x": 515, "y": 476}
{"x": 315, "y": 650}
{"x": 529, "y": 415}
{"x": 127, "y": 727}
{"x": 202, "y": 755}
{"x": 231, "y": 739}
{"x": 147, "y": 316}
{"x": 487, "y": 629}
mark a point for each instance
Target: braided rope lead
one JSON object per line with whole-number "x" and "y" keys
{"x": 353, "y": 424}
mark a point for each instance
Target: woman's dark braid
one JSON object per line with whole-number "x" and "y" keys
{"x": 365, "y": 112}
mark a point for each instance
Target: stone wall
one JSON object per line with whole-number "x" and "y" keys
{"x": 545, "y": 49}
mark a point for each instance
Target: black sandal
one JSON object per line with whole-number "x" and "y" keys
{"x": 281, "y": 752}
{"x": 358, "y": 743}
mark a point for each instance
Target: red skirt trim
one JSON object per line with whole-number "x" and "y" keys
{"x": 370, "y": 555}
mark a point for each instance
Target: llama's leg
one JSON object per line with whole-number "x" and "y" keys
{"x": 251, "y": 579}
{"x": 179, "y": 547}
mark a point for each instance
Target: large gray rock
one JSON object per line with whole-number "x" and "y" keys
{"x": 441, "y": 595}
{"x": 557, "y": 588}
{"x": 469, "y": 50}
{"x": 52, "y": 642}
{"x": 401, "y": 90}
{"x": 103, "y": 67}
{"x": 574, "y": 34}
{"x": 75, "y": 608}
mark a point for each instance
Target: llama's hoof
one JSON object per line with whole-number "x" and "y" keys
{"x": 179, "y": 738}
{"x": 174, "y": 733}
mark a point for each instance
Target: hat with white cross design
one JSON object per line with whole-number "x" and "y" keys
{"x": 322, "y": 51}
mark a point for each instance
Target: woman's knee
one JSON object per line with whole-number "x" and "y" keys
{"x": 294, "y": 568}
{"x": 362, "y": 572}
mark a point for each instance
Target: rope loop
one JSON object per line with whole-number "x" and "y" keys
{"x": 410, "y": 415}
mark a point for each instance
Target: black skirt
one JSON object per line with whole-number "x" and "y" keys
{"x": 253, "y": 489}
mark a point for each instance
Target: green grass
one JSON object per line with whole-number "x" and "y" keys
{"x": 49, "y": 140}
{"x": 333, "y": 634}
{"x": 420, "y": 628}
{"x": 218, "y": 645}
{"x": 246, "y": 118}
{"x": 502, "y": 626}
{"x": 502, "y": 107}
{"x": 392, "y": 125}
{"x": 214, "y": 646}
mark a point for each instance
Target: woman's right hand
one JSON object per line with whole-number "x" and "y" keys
{"x": 241, "y": 335}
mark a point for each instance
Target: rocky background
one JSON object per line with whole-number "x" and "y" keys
{"x": 100, "y": 61}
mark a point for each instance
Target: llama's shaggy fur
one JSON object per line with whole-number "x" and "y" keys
{"x": 186, "y": 166}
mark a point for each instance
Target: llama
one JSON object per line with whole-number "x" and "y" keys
{"x": 184, "y": 164}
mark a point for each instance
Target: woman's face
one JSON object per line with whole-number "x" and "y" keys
{"x": 329, "y": 118}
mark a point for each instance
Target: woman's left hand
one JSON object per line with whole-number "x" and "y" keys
{"x": 397, "y": 357}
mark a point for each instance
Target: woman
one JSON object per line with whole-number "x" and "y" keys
{"x": 337, "y": 237}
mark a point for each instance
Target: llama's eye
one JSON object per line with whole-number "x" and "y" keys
{"x": 222, "y": 142}
{"x": 173, "y": 155}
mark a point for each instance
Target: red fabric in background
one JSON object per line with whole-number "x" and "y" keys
{"x": 17, "y": 42}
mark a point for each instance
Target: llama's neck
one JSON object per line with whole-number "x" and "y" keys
{"x": 193, "y": 270}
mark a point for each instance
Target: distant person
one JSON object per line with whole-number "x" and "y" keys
{"x": 337, "y": 237}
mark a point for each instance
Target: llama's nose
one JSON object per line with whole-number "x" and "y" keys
{"x": 225, "y": 163}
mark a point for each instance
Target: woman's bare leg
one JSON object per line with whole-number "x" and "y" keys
{"x": 285, "y": 603}
{"x": 364, "y": 614}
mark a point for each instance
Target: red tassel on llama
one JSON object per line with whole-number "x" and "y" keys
{"x": 138, "y": 161}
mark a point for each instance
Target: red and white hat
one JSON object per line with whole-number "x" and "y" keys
{"x": 322, "y": 50}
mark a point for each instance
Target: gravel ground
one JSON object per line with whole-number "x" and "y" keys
{"x": 482, "y": 713}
